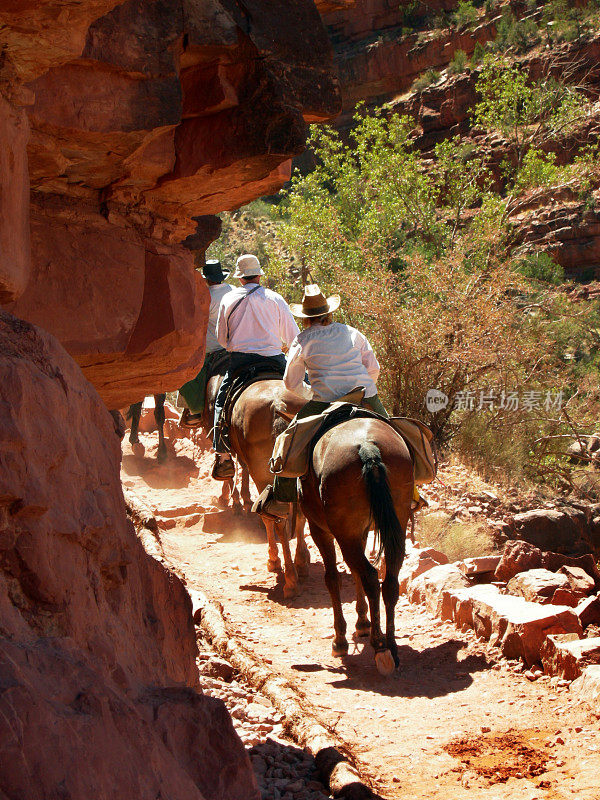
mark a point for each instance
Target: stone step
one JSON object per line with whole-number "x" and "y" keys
{"x": 565, "y": 655}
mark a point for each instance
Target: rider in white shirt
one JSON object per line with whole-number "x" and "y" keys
{"x": 253, "y": 323}
{"x": 337, "y": 359}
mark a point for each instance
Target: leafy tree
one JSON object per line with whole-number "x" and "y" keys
{"x": 465, "y": 14}
{"x": 530, "y": 115}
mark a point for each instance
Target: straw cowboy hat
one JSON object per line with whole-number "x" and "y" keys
{"x": 314, "y": 303}
{"x": 213, "y": 271}
{"x": 247, "y": 266}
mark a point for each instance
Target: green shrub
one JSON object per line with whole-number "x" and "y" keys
{"x": 459, "y": 63}
{"x": 465, "y": 14}
{"x": 515, "y": 34}
{"x": 540, "y": 266}
{"x": 478, "y": 53}
{"x": 428, "y": 78}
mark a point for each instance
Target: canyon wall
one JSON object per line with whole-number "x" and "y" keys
{"x": 100, "y": 693}
{"x": 138, "y": 122}
{"x": 379, "y": 56}
{"x": 125, "y": 127}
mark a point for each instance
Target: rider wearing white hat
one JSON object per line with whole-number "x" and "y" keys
{"x": 253, "y": 323}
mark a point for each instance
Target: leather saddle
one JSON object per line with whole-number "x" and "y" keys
{"x": 264, "y": 370}
{"x": 218, "y": 364}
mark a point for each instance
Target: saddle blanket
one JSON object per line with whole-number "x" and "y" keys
{"x": 293, "y": 448}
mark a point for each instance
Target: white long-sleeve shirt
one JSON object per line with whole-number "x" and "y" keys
{"x": 337, "y": 357}
{"x": 217, "y": 292}
{"x": 261, "y": 324}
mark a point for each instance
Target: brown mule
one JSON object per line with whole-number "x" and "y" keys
{"x": 254, "y": 427}
{"x": 361, "y": 477}
{"x": 253, "y": 430}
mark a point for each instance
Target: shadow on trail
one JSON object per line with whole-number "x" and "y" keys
{"x": 313, "y": 592}
{"x": 432, "y": 672}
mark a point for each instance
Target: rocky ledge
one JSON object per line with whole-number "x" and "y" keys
{"x": 129, "y": 125}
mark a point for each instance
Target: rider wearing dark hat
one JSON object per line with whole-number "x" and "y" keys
{"x": 193, "y": 392}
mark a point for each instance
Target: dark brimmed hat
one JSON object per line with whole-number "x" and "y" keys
{"x": 213, "y": 271}
{"x": 314, "y": 303}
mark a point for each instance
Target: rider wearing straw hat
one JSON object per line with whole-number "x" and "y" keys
{"x": 338, "y": 359}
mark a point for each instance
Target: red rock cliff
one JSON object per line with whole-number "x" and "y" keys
{"x": 100, "y": 694}
{"x": 139, "y": 120}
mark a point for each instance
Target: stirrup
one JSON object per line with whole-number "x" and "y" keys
{"x": 189, "y": 420}
{"x": 223, "y": 469}
{"x": 267, "y": 506}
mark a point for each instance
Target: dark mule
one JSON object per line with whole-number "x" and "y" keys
{"x": 135, "y": 412}
{"x": 361, "y": 477}
{"x": 254, "y": 427}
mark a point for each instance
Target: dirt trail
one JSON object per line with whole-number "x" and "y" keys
{"x": 455, "y": 721}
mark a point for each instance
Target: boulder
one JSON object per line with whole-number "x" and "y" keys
{"x": 433, "y": 588}
{"x": 587, "y": 686}
{"x": 98, "y": 652}
{"x": 537, "y": 585}
{"x": 514, "y": 624}
{"x": 588, "y": 611}
{"x": 480, "y": 565}
{"x": 565, "y": 655}
{"x": 565, "y": 597}
{"x": 464, "y": 605}
{"x": 579, "y": 581}
{"x": 217, "y": 668}
{"x": 519, "y": 556}
{"x": 417, "y": 562}
{"x": 558, "y": 531}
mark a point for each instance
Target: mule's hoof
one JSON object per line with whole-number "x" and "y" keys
{"x": 363, "y": 628}
{"x": 290, "y": 590}
{"x": 274, "y": 566}
{"x": 302, "y": 570}
{"x": 384, "y": 662}
{"x": 138, "y": 449}
{"x": 339, "y": 648}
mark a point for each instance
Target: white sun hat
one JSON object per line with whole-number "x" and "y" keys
{"x": 247, "y": 266}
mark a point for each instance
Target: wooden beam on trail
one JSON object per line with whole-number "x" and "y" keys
{"x": 332, "y": 756}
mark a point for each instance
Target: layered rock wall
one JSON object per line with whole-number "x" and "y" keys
{"x": 145, "y": 120}
{"x": 100, "y": 692}
{"x": 379, "y": 57}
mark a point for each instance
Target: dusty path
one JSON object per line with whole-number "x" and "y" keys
{"x": 455, "y": 721}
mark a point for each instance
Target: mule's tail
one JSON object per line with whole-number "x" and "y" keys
{"x": 383, "y": 513}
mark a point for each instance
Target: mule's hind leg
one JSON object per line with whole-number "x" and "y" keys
{"x": 390, "y": 592}
{"x": 245, "y": 488}
{"x": 302, "y": 558}
{"x": 326, "y": 546}
{"x": 290, "y": 587}
{"x": 274, "y": 563}
{"x": 355, "y": 558}
{"x": 363, "y": 625}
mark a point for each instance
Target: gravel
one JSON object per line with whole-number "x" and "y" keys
{"x": 284, "y": 771}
